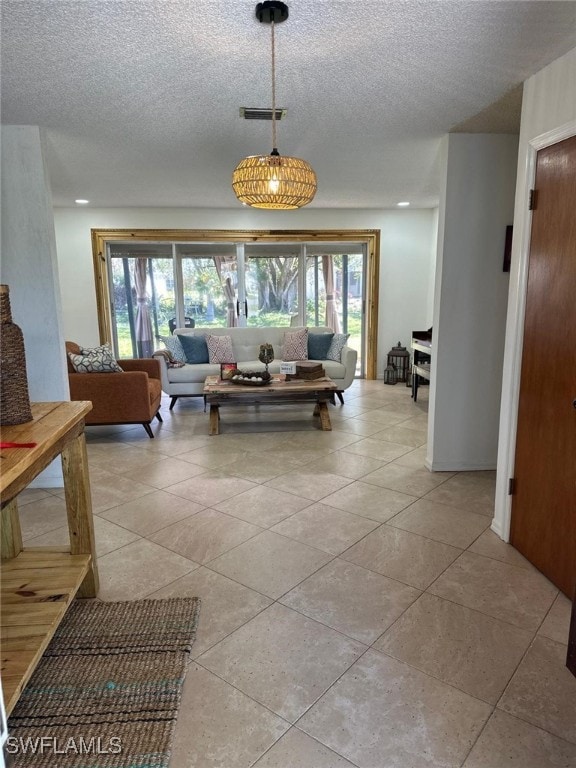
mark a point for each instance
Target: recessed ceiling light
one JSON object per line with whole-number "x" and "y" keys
{"x": 400, "y": 205}
{"x": 82, "y": 202}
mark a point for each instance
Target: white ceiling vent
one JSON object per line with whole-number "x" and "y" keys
{"x": 261, "y": 113}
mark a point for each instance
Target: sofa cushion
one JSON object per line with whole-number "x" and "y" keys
{"x": 96, "y": 360}
{"x": 174, "y": 346}
{"x": 195, "y": 348}
{"x": 295, "y": 345}
{"x": 336, "y": 346}
{"x": 192, "y": 374}
{"x": 318, "y": 345}
{"x": 220, "y": 349}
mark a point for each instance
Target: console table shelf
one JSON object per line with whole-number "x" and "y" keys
{"x": 39, "y": 583}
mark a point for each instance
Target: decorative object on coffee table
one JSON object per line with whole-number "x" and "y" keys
{"x": 251, "y": 378}
{"x": 307, "y": 370}
{"x": 266, "y": 354}
{"x": 227, "y": 370}
{"x": 14, "y": 398}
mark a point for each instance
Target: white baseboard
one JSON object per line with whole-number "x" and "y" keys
{"x": 456, "y": 466}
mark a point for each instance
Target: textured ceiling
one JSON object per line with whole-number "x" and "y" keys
{"x": 140, "y": 98}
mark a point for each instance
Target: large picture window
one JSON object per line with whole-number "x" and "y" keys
{"x": 150, "y": 282}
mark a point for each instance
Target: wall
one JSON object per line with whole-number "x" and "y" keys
{"x": 549, "y": 105}
{"x": 476, "y": 205}
{"x": 30, "y": 268}
{"x": 406, "y": 261}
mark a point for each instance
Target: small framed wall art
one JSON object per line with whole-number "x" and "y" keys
{"x": 227, "y": 370}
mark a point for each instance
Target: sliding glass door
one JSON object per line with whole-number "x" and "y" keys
{"x": 155, "y": 287}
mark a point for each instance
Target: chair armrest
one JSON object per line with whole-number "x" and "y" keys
{"x": 149, "y": 365}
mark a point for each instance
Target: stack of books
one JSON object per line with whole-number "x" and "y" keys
{"x": 308, "y": 371}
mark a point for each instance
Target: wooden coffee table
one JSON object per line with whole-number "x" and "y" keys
{"x": 278, "y": 391}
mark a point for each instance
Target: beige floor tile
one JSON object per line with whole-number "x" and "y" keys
{"x": 491, "y": 545}
{"x": 226, "y": 605}
{"x": 108, "y": 537}
{"x": 381, "y": 450}
{"x": 325, "y": 528}
{"x": 356, "y": 426}
{"x": 473, "y": 491}
{"x": 351, "y": 599}
{"x": 263, "y": 506}
{"x": 556, "y": 625}
{"x": 467, "y": 649}
{"x": 382, "y": 712}
{"x": 119, "y": 463}
{"x": 436, "y": 521}
{"x": 152, "y": 512}
{"x": 346, "y": 464}
{"x": 174, "y": 445}
{"x": 385, "y": 417}
{"x": 282, "y": 659}
{"x": 210, "y": 458}
{"x": 360, "y": 498}
{"x": 506, "y": 592}
{"x": 416, "y": 481}
{"x": 220, "y": 727}
{"x": 308, "y": 483}
{"x": 301, "y": 456}
{"x": 414, "y": 458}
{"x": 260, "y": 467}
{"x": 205, "y": 536}
{"x": 270, "y": 564}
{"x": 164, "y": 472}
{"x": 210, "y": 488}
{"x": 39, "y": 517}
{"x": 417, "y": 422}
{"x": 402, "y": 435}
{"x": 543, "y": 691}
{"x": 507, "y": 741}
{"x": 297, "y": 750}
{"x": 110, "y": 490}
{"x": 138, "y": 569}
{"x": 28, "y": 495}
{"x": 404, "y": 556}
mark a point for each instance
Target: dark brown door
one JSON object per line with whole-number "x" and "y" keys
{"x": 544, "y": 504}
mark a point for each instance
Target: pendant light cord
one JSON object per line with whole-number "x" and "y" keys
{"x": 273, "y": 92}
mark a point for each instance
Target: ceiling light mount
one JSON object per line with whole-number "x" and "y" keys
{"x": 271, "y": 11}
{"x": 274, "y": 181}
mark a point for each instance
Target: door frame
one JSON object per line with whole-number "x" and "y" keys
{"x": 521, "y": 241}
{"x": 369, "y": 237}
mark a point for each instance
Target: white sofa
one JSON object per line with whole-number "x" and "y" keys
{"x": 188, "y": 381}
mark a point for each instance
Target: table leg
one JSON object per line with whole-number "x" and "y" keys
{"x": 316, "y": 410}
{"x": 324, "y": 416}
{"x": 79, "y": 509}
{"x": 11, "y": 533}
{"x": 214, "y": 419}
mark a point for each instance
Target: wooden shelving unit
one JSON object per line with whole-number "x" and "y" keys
{"x": 38, "y": 584}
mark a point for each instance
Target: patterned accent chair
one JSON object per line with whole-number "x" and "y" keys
{"x": 130, "y": 397}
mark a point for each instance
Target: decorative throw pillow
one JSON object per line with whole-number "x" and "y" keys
{"x": 220, "y": 349}
{"x": 336, "y": 346}
{"x": 195, "y": 348}
{"x": 96, "y": 360}
{"x": 318, "y": 345}
{"x": 296, "y": 345}
{"x": 173, "y": 345}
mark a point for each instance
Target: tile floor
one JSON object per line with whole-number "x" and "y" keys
{"x": 357, "y": 610}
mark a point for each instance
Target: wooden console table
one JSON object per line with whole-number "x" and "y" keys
{"x": 39, "y": 583}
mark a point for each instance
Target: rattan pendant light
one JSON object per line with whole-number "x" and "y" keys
{"x": 274, "y": 180}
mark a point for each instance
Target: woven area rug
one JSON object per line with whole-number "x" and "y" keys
{"x": 107, "y": 690}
